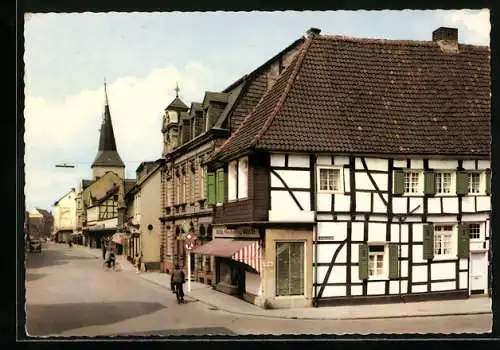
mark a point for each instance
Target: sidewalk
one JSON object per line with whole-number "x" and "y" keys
{"x": 224, "y": 302}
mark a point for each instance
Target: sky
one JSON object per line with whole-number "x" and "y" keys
{"x": 143, "y": 55}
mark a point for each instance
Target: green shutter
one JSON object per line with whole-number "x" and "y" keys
{"x": 428, "y": 241}
{"x": 463, "y": 241}
{"x": 393, "y": 261}
{"x": 429, "y": 183}
{"x": 220, "y": 185}
{"x": 399, "y": 182}
{"x": 462, "y": 183}
{"x": 210, "y": 188}
{"x": 363, "y": 261}
{"x": 487, "y": 179}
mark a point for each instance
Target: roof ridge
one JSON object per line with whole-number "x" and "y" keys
{"x": 281, "y": 101}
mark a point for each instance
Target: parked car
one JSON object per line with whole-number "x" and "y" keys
{"x": 35, "y": 246}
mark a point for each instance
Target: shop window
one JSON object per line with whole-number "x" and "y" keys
{"x": 289, "y": 268}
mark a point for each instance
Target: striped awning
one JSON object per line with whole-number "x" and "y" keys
{"x": 247, "y": 252}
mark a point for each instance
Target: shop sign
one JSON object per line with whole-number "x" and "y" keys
{"x": 243, "y": 231}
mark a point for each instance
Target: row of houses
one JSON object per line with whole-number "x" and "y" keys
{"x": 342, "y": 170}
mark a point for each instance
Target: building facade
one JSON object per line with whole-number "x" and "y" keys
{"x": 361, "y": 178}
{"x": 64, "y": 214}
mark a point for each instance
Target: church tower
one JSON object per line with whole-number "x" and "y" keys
{"x": 107, "y": 158}
{"x": 171, "y": 123}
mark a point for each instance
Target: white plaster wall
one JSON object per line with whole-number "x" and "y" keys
{"x": 323, "y": 202}
{"x": 298, "y": 216}
{"x": 378, "y": 205}
{"x": 418, "y": 233}
{"x": 355, "y": 253}
{"x": 483, "y": 164}
{"x": 342, "y": 202}
{"x": 469, "y": 164}
{"x": 324, "y": 160}
{"x": 417, "y": 163}
{"x": 434, "y": 205}
{"x": 325, "y": 253}
{"x": 462, "y": 283}
{"x": 381, "y": 181}
{"x": 463, "y": 264}
{"x": 337, "y": 275}
{"x": 343, "y": 217}
{"x": 450, "y": 205}
{"x": 93, "y": 214}
{"x": 442, "y": 271}
{"x": 413, "y": 219}
{"x": 356, "y": 290}
{"x": 419, "y": 273}
{"x": 399, "y": 163}
{"x": 337, "y": 229}
{"x": 355, "y": 274}
{"x": 414, "y": 203}
{"x": 324, "y": 217}
{"x": 418, "y": 253}
{"x": 399, "y": 205}
{"x": 475, "y": 217}
{"x": 334, "y": 291}
{"x": 101, "y": 171}
{"x": 298, "y": 160}
{"x": 395, "y": 233}
{"x": 445, "y": 219}
{"x": 377, "y": 164}
{"x": 363, "y": 182}
{"x": 252, "y": 283}
{"x": 404, "y": 251}
{"x": 443, "y": 164}
{"x": 375, "y": 288}
{"x": 468, "y": 204}
{"x": 437, "y": 286}
{"x": 404, "y": 267}
{"x": 483, "y": 203}
{"x": 277, "y": 159}
{"x": 347, "y": 180}
{"x": 341, "y": 160}
{"x": 362, "y": 201}
{"x": 419, "y": 289}
{"x": 304, "y": 199}
{"x": 377, "y": 217}
{"x": 394, "y": 287}
{"x": 357, "y": 229}
{"x": 376, "y": 232}
{"x": 293, "y": 178}
{"x": 282, "y": 202}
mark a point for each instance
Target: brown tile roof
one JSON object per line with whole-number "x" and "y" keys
{"x": 349, "y": 95}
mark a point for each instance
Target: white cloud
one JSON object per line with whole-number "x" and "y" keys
{"x": 67, "y": 130}
{"x": 477, "y": 22}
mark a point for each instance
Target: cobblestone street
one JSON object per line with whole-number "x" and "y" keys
{"x": 69, "y": 293}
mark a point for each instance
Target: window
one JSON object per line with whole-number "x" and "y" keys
{"x": 202, "y": 182}
{"x": 243, "y": 178}
{"x": 289, "y": 268}
{"x": 474, "y": 231}
{"x": 443, "y": 182}
{"x": 443, "y": 240}
{"x": 376, "y": 261}
{"x": 232, "y": 177}
{"x": 412, "y": 182}
{"x": 329, "y": 179}
{"x": 474, "y": 182}
{"x": 183, "y": 188}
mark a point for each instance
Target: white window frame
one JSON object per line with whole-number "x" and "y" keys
{"x": 420, "y": 184}
{"x": 453, "y": 241}
{"x": 482, "y": 183}
{"x": 385, "y": 267}
{"x": 242, "y": 174}
{"x": 340, "y": 188}
{"x": 453, "y": 182}
{"x": 232, "y": 176}
{"x": 481, "y": 234}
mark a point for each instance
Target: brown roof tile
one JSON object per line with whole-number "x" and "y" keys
{"x": 351, "y": 95}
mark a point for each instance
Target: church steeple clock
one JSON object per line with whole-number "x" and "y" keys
{"x": 171, "y": 123}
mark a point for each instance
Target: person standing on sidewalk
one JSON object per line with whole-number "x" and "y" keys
{"x": 177, "y": 280}
{"x": 138, "y": 261}
{"x": 103, "y": 250}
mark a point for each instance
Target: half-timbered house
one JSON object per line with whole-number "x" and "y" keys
{"x": 365, "y": 170}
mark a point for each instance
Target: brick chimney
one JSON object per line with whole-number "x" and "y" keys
{"x": 312, "y": 31}
{"x": 446, "y": 38}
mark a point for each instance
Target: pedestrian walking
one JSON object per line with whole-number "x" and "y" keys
{"x": 177, "y": 280}
{"x": 103, "y": 250}
{"x": 138, "y": 261}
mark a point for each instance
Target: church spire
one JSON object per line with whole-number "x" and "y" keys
{"x": 177, "y": 90}
{"x": 107, "y": 155}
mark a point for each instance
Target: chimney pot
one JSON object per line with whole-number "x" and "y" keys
{"x": 313, "y": 31}
{"x": 445, "y": 33}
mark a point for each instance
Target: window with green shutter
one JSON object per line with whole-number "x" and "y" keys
{"x": 393, "y": 261}
{"x": 429, "y": 183}
{"x": 428, "y": 248}
{"x": 462, "y": 183}
{"x": 463, "y": 241}
{"x": 487, "y": 179}
{"x": 399, "y": 183}
{"x": 210, "y": 188}
{"x": 220, "y": 186}
{"x": 363, "y": 261}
